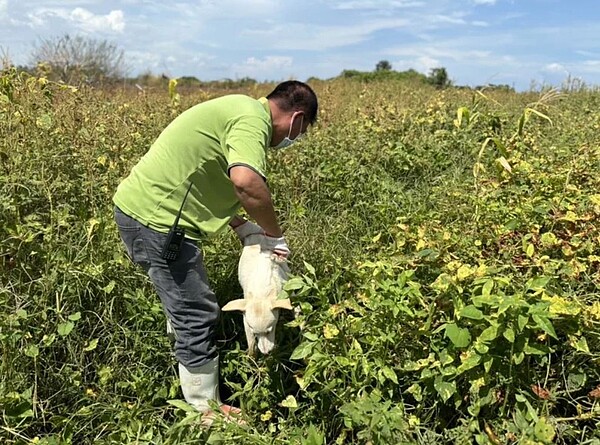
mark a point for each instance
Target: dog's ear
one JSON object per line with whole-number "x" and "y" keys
{"x": 235, "y": 305}
{"x": 284, "y": 303}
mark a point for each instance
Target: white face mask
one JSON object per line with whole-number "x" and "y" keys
{"x": 286, "y": 142}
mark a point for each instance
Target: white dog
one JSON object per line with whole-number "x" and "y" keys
{"x": 262, "y": 275}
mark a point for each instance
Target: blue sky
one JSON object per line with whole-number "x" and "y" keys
{"x": 516, "y": 42}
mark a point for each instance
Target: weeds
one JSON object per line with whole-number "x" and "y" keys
{"x": 446, "y": 260}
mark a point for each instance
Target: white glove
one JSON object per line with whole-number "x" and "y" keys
{"x": 246, "y": 229}
{"x": 277, "y": 245}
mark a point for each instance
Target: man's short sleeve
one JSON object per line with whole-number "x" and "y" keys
{"x": 246, "y": 143}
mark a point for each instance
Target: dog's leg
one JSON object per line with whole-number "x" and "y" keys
{"x": 250, "y": 338}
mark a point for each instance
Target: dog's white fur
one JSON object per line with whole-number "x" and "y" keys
{"x": 262, "y": 275}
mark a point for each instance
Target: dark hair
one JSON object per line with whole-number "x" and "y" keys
{"x": 293, "y": 95}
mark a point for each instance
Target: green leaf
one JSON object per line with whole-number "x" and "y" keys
{"x": 460, "y": 337}
{"x": 518, "y": 357}
{"x": 580, "y": 344}
{"x": 313, "y": 436}
{"x": 311, "y": 336}
{"x": 310, "y": 269}
{"x": 302, "y": 350}
{"x": 216, "y": 438}
{"x": 488, "y": 365}
{"x": 530, "y": 250}
{"x": 545, "y": 325}
{"x": 426, "y": 252}
{"x": 444, "y": 389}
{"x": 522, "y": 321}
{"x": 65, "y": 328}
{"x": 471, "y": 312}
{"x": 289, "y": 402}
{"x": 74, "y": 317}
{"x": 181, "y": 404}
{"x": 92, "y": 345}
{"x": 390, "y": 374}
{"x": 490, "y": 333}
{"x": 47, "y": 340}
{"x": 32, "y": 351}
{"x": 509, "y": 334}
{"x": 487, "y": 288}
{"x": 109, "y": 287}
{"x": 548, "y": 239}
{"x": 576, "y": 381}
{"x": 416, "y": 391}
{"x": 481, "y": 347}
{"x": 538, "y": 283}
{"x": 445, "y": 358}
{"x": 21, "y": 313}
{"x": 44, "y": 121}
{"x": 469, "y": 363}
{"x": 544, "y": 431}
{"x": 293, "y": 284}
{"x": 535, "y": 349}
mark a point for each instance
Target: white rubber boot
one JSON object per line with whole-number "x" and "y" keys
{"x": 201, "y": 384}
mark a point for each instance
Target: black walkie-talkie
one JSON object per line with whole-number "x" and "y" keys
{"x": 173, "y": 244}
{"x": 175, "y": 236}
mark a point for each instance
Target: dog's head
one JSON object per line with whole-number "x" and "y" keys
{"x": 260, "y": 319}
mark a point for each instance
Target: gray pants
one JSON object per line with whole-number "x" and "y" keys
{"x": 182, "y": 285}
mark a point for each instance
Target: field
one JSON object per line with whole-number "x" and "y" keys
{"x": 446, "y": 259}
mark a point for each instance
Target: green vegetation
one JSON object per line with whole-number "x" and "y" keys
{"x": 445, "y": 246}
{"x": 383, "y": 71}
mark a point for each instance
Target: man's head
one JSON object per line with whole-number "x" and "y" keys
{"x": 293, "y": 108}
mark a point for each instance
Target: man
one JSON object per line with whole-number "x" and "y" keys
{"x": 206, "y": 164}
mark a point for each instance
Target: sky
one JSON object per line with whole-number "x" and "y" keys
{"x": 525, "y": 44}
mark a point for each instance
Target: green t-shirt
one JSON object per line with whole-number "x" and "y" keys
{"x": 199, "y": 146}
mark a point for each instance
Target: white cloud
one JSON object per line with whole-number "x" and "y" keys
{"x": 453, "y": 20}
{"x": 423, "y": 64}
{"x": 91, "y": 23}
{"x": 377, "y": 4}
{"x": 207, "y": 10}
{"x": 591, "y": 66}
{"x": 169, "y": 59}
{"x": 555, "y": 68}
{"x": 310, "y": 37}
{"x": 266, "y": 68}
{"x": 484, "y": 2}
{"x": 81, "y": 18}
{"x": 441, "y": 52}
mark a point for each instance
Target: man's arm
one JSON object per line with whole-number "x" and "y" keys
{"x": 255, "y": 197}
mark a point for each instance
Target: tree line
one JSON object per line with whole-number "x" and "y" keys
{"x": 83, "y": 60}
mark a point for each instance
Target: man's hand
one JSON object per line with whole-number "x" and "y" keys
{"x": 246, "y": 229}
{"x": 277, "y": 245}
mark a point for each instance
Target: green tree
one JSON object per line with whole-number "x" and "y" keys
{"x": 383, "y": 65}
{"x": 439, "y": 77}
{"x": 79, "y": 59}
